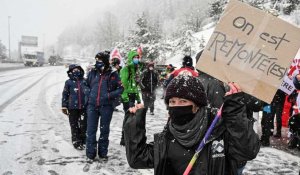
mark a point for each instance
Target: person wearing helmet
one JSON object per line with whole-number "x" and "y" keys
{"x": 74, "y": 101}
{"x": 106, "y": 87}
{"x": 231, "y": 144}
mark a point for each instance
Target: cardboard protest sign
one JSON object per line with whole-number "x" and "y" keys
{"x": 252, "y": 48}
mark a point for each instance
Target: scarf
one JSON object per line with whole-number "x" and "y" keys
{"x": 190, "y": 134}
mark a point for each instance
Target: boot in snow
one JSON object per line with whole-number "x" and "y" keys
{"x": 292, "y": 143}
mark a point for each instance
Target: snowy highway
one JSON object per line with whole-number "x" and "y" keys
{"x": 35, "y": 136}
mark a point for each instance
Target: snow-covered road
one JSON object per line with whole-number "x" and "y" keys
{"x": 35, "y": 135}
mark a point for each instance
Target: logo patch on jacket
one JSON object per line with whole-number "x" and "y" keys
{"x": 217, "y": 149}
{"x": 185, "y": 72}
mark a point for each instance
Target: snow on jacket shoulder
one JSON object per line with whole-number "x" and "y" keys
{"x": 75, "y": 94}
{"x": 234, "y": 131}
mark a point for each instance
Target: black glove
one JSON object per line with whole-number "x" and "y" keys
{"x": 132, "y": 97}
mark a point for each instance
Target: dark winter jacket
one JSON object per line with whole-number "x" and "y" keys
{"x": 149, "y": 81}
{"x": 75, "y": 94}
{"x": 214, "y": 89}
{"x": 232, "y": 143}
{"x": 76, "y": 90}
{"x": 105, "y": 87}
{"x": 279, "y": 98}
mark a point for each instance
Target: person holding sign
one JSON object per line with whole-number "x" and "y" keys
{"x": 231, "y": 144}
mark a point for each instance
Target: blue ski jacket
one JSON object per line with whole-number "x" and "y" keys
{"x": 105, "y": 87}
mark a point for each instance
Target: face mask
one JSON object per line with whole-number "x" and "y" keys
{"x": 76, "y": 74}
{"x": 181, "y": 115}
{"x": 99, "y": 65}
{"x": 136, "y": 60}
{"x": 150, "y": 68}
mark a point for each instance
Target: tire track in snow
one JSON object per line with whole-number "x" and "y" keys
{"x": 12, "y": 99}
{"x": 13, "y": 68}
{"x": 21, "y": 77}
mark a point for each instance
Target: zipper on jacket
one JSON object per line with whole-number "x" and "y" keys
{"x": 108, "y": 96}
{"x": 99, "y": 90}
{"x": 79, "y": 94}
{"x": 151, "y": 82}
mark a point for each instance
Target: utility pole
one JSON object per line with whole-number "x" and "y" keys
{"x": 9, "y": 38}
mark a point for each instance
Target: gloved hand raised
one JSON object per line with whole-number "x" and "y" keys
{"x": 65, "y": 110}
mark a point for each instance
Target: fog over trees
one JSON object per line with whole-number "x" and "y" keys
{"x": 152, "y": 24}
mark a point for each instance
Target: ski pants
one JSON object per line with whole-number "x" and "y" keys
{"x": 78, "y": 124}
{"x": 277, "y": 109}
{"x": 104, "y": 113}
{"x": 149, "y": 99}
{"x": 266, "y": 126}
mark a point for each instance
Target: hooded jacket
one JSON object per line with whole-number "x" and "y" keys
{"x": 130, "y": 77}
{"x": 105, "y": 87}
{"x": 233, "y": 142}
{"x": 75, "y": 91}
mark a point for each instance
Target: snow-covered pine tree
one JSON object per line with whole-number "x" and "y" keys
{"x": 187, "y": 43}
{"x": 290, "y": 6}
{"x": 146, "y": 35}
{"x": 257, "y": 3}
{"x": 192, "y": 20}
{"x": 216, "y": 8}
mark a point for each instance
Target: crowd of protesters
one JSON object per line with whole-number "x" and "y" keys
{"x": 193, "y": 98}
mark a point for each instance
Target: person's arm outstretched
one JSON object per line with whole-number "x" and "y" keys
{"x": 139, "y": 154}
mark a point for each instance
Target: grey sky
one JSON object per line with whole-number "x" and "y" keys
{"x": 43, "y": 17}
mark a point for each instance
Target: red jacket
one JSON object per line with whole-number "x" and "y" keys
{"x": 185, "y": 70}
